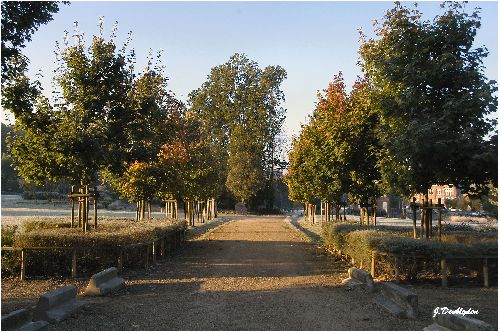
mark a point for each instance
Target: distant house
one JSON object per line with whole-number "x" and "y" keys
{"x": 442, "y": 192}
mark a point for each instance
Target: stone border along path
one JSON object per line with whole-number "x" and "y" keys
{"x": 254, "y": 273}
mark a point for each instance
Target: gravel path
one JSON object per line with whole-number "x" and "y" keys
{"x": 252, "y": 274}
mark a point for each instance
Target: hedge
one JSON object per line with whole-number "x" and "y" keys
{"x": 98, "y": 249}
{"x": 111, "y": 232}
{"x": 358, "y": 242}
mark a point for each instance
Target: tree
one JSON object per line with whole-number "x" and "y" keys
{"x": 246, "y": 173}
{"x": 364, "y": 171}
{"x": 331, "y": 118}
{"x": 10, "y": 177}
{"x": 432, "y": 99}
{"x": 20, "y": 20}
{"x": 489, "y": 201}
{"x": 82, "y": 132}
{"x": 337, "y": 151}
{"x": 301, "y": 169}
{"x": 239, "y": 96}
{"x": 150, "y": 107}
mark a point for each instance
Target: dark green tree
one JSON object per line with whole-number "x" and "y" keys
{"x": 83, "y": 130}
{"x": 20, "y": 20}
{"x": 364, "y": 170}
{"x": 245, "y": 170}
{"x": 433, "y": 99}
{"x": 238, "y": 94}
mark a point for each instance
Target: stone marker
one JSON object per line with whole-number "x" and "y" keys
{"x": 104, "y": 282}
{"x": 55, "y": 306}
{"x": 399, "y": 301}
{"x": 240, "y": 208}
{"x": 20, "y": 320}
{"x": 454, "y": 322}
{"x": 359, "y": 277}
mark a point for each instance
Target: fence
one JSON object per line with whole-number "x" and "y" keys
{"x": 397, "y": 261}
{"x": 151, "y": 250}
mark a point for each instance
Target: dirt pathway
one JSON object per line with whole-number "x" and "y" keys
{"x": 252, "y": 274}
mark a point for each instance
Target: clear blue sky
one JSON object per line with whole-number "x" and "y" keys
{"x": 311, "y": 40}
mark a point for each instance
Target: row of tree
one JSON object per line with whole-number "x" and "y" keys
{"x": 107, "y": 123}
{"x": 419, "y": 116}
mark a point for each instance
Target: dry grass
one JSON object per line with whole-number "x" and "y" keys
{"x": 471, "y": 219}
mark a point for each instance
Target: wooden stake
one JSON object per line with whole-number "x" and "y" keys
{"x": 444, "y": 273}
{"x": 23, "y": 265}
{"x": 95, "y": 212}
{"x": 486, "y": 277}
{"x": 422, "y": 220}
{"x": 73, "y": 265}
{"x": 396, "y": 269}
{"x": 430, "y": 219}
{"x": 72, "y": 206}
{"x": 175, "y": 210}
{"x": 154, "y": 252}
{"x": 414, "y": 209}
{"x": 120, "y": 261}
{"x": 439, "y": 220}
{"x": 80, "y": 210}
{"x": 374, "y": 257}
{"x": 426, "y": 216}
{"x": 345, "y": 219}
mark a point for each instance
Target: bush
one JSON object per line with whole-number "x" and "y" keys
{"x": 358, "y": 242}
{"x": 10, "y": 259}
{"x": 111, "y": 232}
{"x": 98, "y": 249}
{"x": 41, "y": 195}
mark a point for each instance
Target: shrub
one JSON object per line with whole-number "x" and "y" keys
{"x": 98, "y": 249}
{"x": 29, "y": 195}
{"x": 358, "y": 242}
{"x": 10, "y": 259}
{"x": 110, "y": 233}
{"x": 8, "y": 233}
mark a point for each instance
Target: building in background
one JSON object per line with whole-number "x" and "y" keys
{"x": 442, "y": 192}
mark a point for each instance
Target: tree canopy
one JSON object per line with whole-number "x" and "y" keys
{"x": 20, "y": 20}
{"x": 336, "y": 152}
{"x": 432, "y": 98}
{"x": 240, "y": 106}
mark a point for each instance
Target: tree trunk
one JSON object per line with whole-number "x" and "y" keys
{"x": 422, "y": 219}
{"x": 426, "y": 217}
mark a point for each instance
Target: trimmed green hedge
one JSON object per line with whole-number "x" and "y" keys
{"x": 111, "y": 232}
{"x": 10, "y": 260}
{"x": 99, "y": 248}
{"x": 358, "y": 242}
